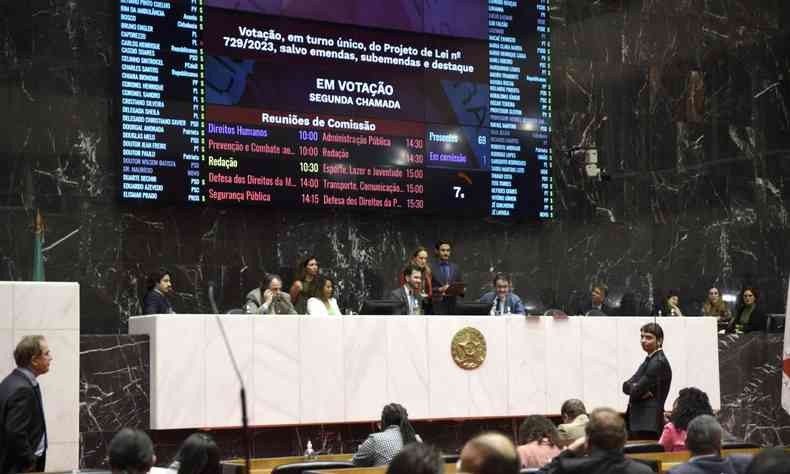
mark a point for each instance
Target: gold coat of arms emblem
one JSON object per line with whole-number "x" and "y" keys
{"x": 468, "y": 348}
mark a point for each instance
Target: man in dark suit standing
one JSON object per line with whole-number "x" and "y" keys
{"x": 409, "y": 294}
{"x": 23, "y": 433}
{"x": 648, "y": 388}
{"x": 445, "y": 274}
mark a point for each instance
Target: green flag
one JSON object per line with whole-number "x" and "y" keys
{"x": 38, "y": 251}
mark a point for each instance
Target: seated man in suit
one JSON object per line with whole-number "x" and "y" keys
{"x": 703, "y": 440}
{"x": 600, "y": 452}
{"x": 270, "y": 301}
{"x": 502, "y": 299}
{"x": 597, "y": 305}
{"x": 409, "y": 295}
{"x": 444, "y": 274}
{"x": 574, "y": 420}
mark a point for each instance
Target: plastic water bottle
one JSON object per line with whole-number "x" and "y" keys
{"x": 309, "y": 453}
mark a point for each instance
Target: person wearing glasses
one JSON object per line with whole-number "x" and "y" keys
{"x": 715, "y": 306}
{"x": 748, "y": 315}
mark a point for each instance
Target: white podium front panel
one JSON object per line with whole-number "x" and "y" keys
{"x": 303, "y": 369}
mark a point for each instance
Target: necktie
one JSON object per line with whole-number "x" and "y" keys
{"x": 37, "y": 391}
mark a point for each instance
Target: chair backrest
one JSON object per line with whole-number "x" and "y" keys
{"x": 595, "y": 312}
{"x": 643, "y": 448}
{"x": 235, "y": 311}
{"x": 651, "y": 463}
{"x": 554, "y": 312}
{"x": 299, "y": 467}
{"x": 740, "y": 445}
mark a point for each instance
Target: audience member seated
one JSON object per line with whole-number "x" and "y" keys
{"x": 539, "y": 442}
{"x": 629, "y": 305}
{"x": 198, "y": 454}
{"x": 770, "y": 461}
{"x": 748, "y": 315}
{"x": 704, "y": 443}
{"x": 409, "y": 295}
{"x": 671, "y": 305}
{"x": 270, "y": 301}
{"x": 489, "y": 453}
{"x": 691, "y": 403}
{"x": 322, "y": 303}
{"x": 715, "y": 306}
{"x": 417, "y": 458}
{"x": 159, "y": 286}
{"x": 380, "y": 448}
{"x": 600, "y": 452}
{"x": 574, "y": 420}
{"x": 419, "y": 259}
{"x": 131, "y": 452}
{"x": 502, "y": 299}
{"x": 301, "y": 289}
{"x": 597, "y": 302}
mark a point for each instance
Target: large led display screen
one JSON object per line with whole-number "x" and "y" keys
{"x": 433, "y": 106}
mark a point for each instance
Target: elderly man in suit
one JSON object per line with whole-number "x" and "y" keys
{"x": 647, "y": 389}
{"x": 408, "y": 296}
{"x": 703, "y": 440}
{"x": 23, "y": 432}
{"x": 445, "y": 273}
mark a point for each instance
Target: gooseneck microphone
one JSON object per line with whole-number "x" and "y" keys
{"x": 242, "y": 393}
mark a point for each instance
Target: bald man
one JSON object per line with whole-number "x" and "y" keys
{"x": 489, "y": 453}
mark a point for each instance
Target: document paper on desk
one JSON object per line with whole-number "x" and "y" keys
{"x": 786, "y": 357}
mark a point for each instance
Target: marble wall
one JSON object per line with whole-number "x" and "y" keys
{"x": 685, "y": 100}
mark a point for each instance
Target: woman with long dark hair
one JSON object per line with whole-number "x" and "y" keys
{"x": 691, "y": 403}
{"x": 748, "y": 315}
{"x": 198, "y": 454}
{"x": 322, "y": 301}
{"x": 539, "y": 440}
{"x": 301, "y": 289}
{"x": 379, "y": 448}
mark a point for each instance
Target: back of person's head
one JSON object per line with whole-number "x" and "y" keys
{"x": 417, "y": 458}
{"x": 606, "y": 429}
{"x": 395, "y": 414}
{"x": 489, "y": 453}
{"x": 703, "y": 436}
{"x": 131, "y": 452}
{"x": 691, "y": 403}
{"x": 538, "y": 428}
{"x": 770, "y": 461}
{"x": 572, "y": 408}
{"x": 198, "y": 454}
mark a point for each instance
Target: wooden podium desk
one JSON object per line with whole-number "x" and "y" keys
{"x": 309, "y": 370}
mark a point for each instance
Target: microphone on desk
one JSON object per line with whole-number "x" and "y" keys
{"x": 242, "y": 393}
{"x": 211, "y": 299}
